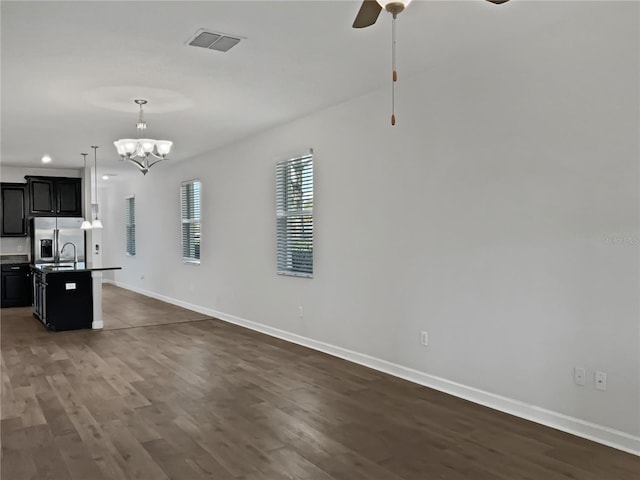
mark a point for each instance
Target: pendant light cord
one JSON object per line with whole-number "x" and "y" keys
{"x": 95, "y": 175}
{"x": 394, "y": 77}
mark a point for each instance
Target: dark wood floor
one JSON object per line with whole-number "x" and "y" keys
{"x": 124, "y": 309}
{"x": 209, "y": 400}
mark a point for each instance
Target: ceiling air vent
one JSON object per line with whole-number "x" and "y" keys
{"x": 214, "y": 41}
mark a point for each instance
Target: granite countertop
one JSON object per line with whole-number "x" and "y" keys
{"x": 14, "y": 258}
{"x": 69, "y": 267}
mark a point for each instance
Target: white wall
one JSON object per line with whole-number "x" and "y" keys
{"x": 500, "y": 214}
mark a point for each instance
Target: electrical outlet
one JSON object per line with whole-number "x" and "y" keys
{"x": 601, "y": 381}
{"x": 424, "y": 338}
{"x": 579, "y": 376}
{"x": 300, "y": 311}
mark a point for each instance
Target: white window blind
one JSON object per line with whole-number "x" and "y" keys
{"x": 190, "y": 212}
{"x": 130, "y": 224}
{"x": 294, "y": 216}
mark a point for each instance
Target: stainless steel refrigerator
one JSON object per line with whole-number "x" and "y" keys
{"x": 50, "y": 234}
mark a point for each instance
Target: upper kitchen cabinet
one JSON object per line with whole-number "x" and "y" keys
{"x": 55, "y": 196}
{"x": 41, "y": 197}
{"x": 69, "y": 197}
{"x": 13, "y": 210}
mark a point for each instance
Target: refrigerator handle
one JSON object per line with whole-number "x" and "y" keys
{"x": 56, "y": 252}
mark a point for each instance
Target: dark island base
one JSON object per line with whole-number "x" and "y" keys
{"x": 67, "y": 303}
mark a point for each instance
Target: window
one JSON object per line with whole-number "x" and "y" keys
{"x": 294, "y": 216}
{"x": 190, "y": 212}
{"x": 130, "y": 224}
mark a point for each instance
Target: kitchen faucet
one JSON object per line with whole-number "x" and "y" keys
{"x": 75, "y": 252}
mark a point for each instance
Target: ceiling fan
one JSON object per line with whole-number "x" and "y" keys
{"x": 367, "y": 16}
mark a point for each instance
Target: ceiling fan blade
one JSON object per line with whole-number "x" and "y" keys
{"x": 368, "y": 14}
{"x": 498, "y": 2}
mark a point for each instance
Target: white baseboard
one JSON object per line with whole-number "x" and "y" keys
{"x": 97, "y": 325}
{"x": 591, "y": 431}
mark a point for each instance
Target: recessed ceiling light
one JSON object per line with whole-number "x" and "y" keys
{"x": 46, "y": 159}
{"x": 105, "y": 177}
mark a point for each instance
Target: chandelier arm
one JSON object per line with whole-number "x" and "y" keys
{"x": 140, "y": 165}
{"x": 151, "y": 164}
{"x": 139, "y": 151}
{"x": 159, "y": 157}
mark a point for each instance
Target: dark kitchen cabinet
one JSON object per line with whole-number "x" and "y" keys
{"x": 13, "y": 210}
{"x": 68, "y": 197}
{"x": 16, "y": 285}
{"x": 63, "y": 300}
{"x": 55, "y": 196}
{"x": 39, "y": 293}
{"x": 41, "y": 196}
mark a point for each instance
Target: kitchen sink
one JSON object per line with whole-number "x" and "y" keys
{"x": 57, "y": 267}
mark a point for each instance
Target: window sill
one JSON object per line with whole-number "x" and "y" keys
{"x": 294, "y": 274}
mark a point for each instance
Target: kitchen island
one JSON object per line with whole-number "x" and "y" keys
{"x": 66, "y": 297}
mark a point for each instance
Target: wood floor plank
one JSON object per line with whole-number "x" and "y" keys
{"x": 18, "y": 464}
{"x": 77, "y": 457}
{"x": 26, "y": 406}
{"x": 171, "y": 394}
{"x": 45, "y": 453}
{"x": 13, "y": 435}
{"x": 49, "y": 463}
{"x": 59, "y": 422}
{"x": 173, "y": 462}
{"x": 134, "y": 460}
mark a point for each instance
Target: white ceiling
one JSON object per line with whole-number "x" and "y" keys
{"x": 70, "y": 70}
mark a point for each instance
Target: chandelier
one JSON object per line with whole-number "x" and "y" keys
{"x": 143, "y": 152}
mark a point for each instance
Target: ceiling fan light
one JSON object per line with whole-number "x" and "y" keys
{"x": 86, "y": 225}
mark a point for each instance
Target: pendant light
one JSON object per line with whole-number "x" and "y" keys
{"x": 86, "y": 224}
{"x": 96, "y": 223}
